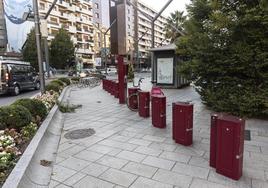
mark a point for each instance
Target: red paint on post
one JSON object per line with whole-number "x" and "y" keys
{"x": 121, "y": 80}
{"x": 144, "y": 104}
{"x": 182, "y": 124}
{"x": 159, "y": 111}
{"x": 213, "y": 140}
{"x": 230, "y": 146}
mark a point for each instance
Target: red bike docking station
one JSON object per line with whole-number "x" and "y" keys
{"x": 226, "y": 131}
{"x": 182, "y": 123}
{"x": 159, "y": 111}
{"x": 144, "y": 104}
{"x": 227, "y": 145}
{"x": 133, "y": 101}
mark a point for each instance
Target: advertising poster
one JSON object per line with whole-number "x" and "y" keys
{"x": 165, "y": 70}
{"x": 98, "y": 62}
{"x": 17, "y": 28}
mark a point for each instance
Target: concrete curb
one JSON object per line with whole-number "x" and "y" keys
{"x": 28, "y": 172}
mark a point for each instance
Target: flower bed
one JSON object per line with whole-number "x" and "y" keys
{"x": 19, "y": 123}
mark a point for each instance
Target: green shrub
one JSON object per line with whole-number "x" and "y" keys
{"x": 36, "y": 107}
{"x": 53, "y": 87}
{"x": 61, "y": 83}
{"x": 14, "y": 116}
{"x": 65, "y": 80}
{"x": 75, "y": 79}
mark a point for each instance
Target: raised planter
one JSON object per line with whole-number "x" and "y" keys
{"x": 28, "y": 172}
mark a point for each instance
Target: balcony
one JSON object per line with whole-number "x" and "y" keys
{"x": 54, "y": 24}
{"x": 63, "y": 4}
{"x": 72, "y": 29}
{"x": 72, "y": 18}
{"x": 84, "y": 51}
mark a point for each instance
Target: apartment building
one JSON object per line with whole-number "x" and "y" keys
{"x": 3, "y": 30}
{"x": 144, "y": 29}
{"x": 99, "y": 29}
{"x": 77, "y": 17}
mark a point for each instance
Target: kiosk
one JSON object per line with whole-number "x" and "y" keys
{"x": 165, "y": 67}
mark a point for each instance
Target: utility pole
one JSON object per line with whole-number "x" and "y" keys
{"x": 38, "y": 45}
{"x": 45, "y": 39}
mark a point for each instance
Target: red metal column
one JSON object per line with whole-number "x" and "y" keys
{"x": 230, "y": 146}
{"x": 133, "y": 101}
{"x": 116, "y": 89}
{"x": 122, "y": 80}
{"x": 213, "y": 140}
{"x": 159, "y": 111}
{"x": 182, "y": 116}
{"x": 144, "y": 104}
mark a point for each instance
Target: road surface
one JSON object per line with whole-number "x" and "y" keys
{"x": 8, "y": 99}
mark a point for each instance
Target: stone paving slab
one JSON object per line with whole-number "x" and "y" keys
{"x": 127, "y": 151}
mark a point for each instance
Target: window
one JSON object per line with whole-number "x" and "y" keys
{"x": 3, "y": 71}
{"x": 54, "y": 20}
{"x": 42, "y": 6}
{"x": 96, "y": 5}
{"x": 97, "y": 15}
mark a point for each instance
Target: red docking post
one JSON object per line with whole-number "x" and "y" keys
{"x": 122, "y": 80}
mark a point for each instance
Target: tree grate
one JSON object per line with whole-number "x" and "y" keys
{"x": 79, "y": 134}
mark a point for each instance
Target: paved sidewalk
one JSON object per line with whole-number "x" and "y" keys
{"x": 126, "y": 151}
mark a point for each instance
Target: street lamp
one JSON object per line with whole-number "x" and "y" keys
{"x": 34, "y": 16}
{"x": 38, "y": 45}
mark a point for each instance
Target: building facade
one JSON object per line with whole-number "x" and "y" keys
{"x": 77, "y": 17}
{"x": 3, "y": 30}
{"x": 144, "y": 30}
{"x": 136, "y": 30}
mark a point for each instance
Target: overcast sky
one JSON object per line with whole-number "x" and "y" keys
{"x": 175, "y": 5}
{"x": 155, "y": 4}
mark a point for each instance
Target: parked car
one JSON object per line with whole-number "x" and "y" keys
{"x": 110, "y": 70}
{"x": 17, "y": 76}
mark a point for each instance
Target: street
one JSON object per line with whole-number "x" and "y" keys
{"x": 9, "y": 99}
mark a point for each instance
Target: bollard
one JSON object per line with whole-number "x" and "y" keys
{"x": 230, "y": 146}
{"x": 182, "y": 123}
{"x": 159, "y": 111}
{"x": 213, "y": 138}
{"x": 144, "y": 104}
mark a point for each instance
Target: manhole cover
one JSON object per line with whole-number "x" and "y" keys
{"x": 79, "y": 133}
{"x": 247, "y": 135}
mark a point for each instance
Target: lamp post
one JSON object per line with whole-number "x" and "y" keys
{"x": 38, "y": 45}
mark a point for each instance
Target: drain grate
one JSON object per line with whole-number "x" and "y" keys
{"x": 247, "y": 135}
{"x": 79, "y": 133}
